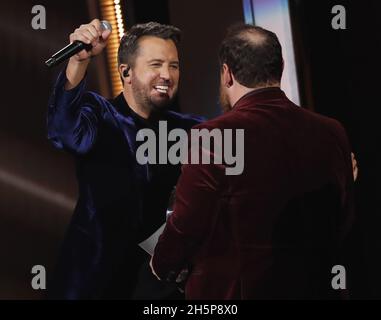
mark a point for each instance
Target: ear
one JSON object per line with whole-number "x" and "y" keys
{"x": 227, "y": 77}
{"x": 124, "y": 71}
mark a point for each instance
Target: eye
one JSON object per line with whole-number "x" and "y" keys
{"x": 174, "y": 66}
{"x": 156, "y": 65}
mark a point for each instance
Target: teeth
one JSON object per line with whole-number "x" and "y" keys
{"x": 162, "y": 89}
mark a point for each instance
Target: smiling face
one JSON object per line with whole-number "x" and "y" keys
{"x": 155, "y": 73}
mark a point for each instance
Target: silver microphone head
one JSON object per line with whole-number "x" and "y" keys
{"x": 105, "y": 25}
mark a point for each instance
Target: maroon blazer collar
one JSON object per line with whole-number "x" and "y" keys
{"x": 259, "y": 96}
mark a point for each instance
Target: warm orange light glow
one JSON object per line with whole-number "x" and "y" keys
{"x": 112, "y": 12}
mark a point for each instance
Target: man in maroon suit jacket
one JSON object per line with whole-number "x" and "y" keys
{"x": 276, "y": 230}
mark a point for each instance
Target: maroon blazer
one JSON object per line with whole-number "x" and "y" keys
{"x": 275, "y": 231}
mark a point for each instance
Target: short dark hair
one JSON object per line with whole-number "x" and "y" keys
{"x": 253, "y": 54}
{"x": 129, "y": 43}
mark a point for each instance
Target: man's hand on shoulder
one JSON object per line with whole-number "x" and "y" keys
{"x": 354, "y": 167}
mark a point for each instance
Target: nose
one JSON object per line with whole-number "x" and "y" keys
{"x": 164, "y": 73}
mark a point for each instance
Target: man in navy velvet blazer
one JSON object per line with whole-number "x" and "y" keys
{"x": 276, "y": 230}
{"x": 120, "y": 201}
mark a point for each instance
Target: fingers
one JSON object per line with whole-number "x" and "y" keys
{"x": 182, "y": 276}
{"x": 153, "y": 270}
{"x": 354, "y": 167}
{"x": 355, "y": 171}
{"x": 93, "y": 38}
{"x": 93, "y": 34}
{"x": 87, "y": 33}
{"x": 181, "y": 290}
{"x": 105, "y": 35}
{"x": 97, "y": 25}
{"x": 79, "y": 35}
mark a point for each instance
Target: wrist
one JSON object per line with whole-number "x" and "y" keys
{"x": 75, "y": 71}
{"x": 75, "y": 62}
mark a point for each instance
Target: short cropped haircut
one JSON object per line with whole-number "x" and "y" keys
{"x": 253, "y": 54}
{"x": 129, "y": 44}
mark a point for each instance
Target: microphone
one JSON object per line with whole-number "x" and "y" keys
{"x": 73, "y": 48}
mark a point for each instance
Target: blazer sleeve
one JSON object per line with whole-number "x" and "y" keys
{"x": 197, "y": 195}
{"x": 73, "y": 117}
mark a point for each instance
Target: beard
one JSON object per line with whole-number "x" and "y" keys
{"x": 143, "y": 97}
{"x": 224, "y": 100}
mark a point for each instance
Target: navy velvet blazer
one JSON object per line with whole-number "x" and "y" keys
{"x": 120, "y": 202}
{"x": 276, "y": 230}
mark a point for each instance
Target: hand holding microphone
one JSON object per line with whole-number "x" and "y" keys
{"x": 86, "y": 41}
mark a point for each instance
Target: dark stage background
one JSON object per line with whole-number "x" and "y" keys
{"x": 338, "y": 74}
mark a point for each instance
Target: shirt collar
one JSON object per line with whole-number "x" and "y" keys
{"x": 122, "y": 107}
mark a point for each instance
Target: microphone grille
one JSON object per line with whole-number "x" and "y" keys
{"x": 105, "y": 25}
